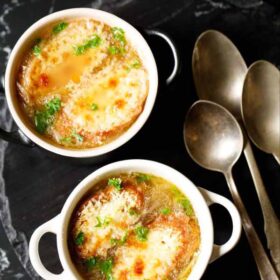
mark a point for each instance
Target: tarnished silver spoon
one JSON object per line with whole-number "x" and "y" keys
{"x": 219, "y": 72}
{"x": 214, "y": 140}
{"x": 261, "y": 107}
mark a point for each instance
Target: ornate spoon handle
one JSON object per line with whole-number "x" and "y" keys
{"x": 265, "y": 268}
{"x": 271, "y": 222}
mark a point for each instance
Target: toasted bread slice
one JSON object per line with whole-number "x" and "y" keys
{"x": 101, "y": 93}
{"x": 104, "y": 220}
{"x": 171, "y": 240}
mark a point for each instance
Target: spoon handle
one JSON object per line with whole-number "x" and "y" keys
{"x": 271, "y": 222}
{"x": 277, "y": 158}
{"x": 265, "y": 268}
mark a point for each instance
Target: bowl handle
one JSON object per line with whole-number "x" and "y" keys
{"x": 212, "y": 198}
{"x": 50, "y": 226}
{"x": 14, "y": 136}
{"x": 173, "y": 48}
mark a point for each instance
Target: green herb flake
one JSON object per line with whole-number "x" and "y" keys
{"x": 94, "y": 42}
{"x": 140, "y": 178}
{"x": 115, "y": 182}
{"x": 59, "y": 27}
{"x": 42, "y": 121}
{"x": 115, "y": 241}
{"x": 123, "y": 239}
{"x": 136, "y": 64}
{"x": 44, "y": 118}
{"x": 132, "y": 212}
{"x": 54, "y": 105}
{"x": 77, "y": 136}
{"x": 79, "y": 50}
{"x": 114, "y": 50}
{"x": 141, "y": 233}
{"x": 94, "y": 107}
{"x": 99, "y": 222}
{"x": 165, "y": 211}
{"x": 80, "y": 238}
{"x": 90, "y": 263}
{"x": 36, "y": 50}
{"x": 119, "y": 35}
{"x": 102, "y": 222}
{"x": 66, "y": 140}
{"x": 106, "y": 267}
{"x": 187, "y": 206}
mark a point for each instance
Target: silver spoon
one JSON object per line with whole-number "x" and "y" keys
{"x": 261, "y": 108}
{"x": 219, "y": 72}
{"x": 214, "y": 140}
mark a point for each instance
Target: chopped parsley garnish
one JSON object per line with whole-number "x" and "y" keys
{"x": 186, "y": 205}
{"x": 77, "y": 136}
{"x": 132, "y": 212}
{"x": 94, "y": 42}
{"x": 119, "y": 35}
{"x": 115, "y": 50}
{"x": 74, "y": 135}
{"x": 115, "y": 241}
{"x": 140, "y": 178}
{"x": 115, "y": 182}
{"x": 80, "y": 238}
{"x": 106, "y": 267}
{"x": 183, "y": 200}
{"x": 44, "y": 118}
{"x": 141, "y": 233}
{"x": 136, "y": 64}
{"x": 53, "y": 106}
{"x": 66, "y": 139}
{"x": 102, "y": 222}
{"x": 94, "y": 107}
{"x": 36, "y": 48}
{"x": 59, "y": 27}
{"x": 119, "y": 46}
{"x": 91, "y": 263}
{"x": 165, "y": 211}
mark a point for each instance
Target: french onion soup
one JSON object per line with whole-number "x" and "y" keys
{"x": 82, "y": 83}
{"x": 134, "y": 226}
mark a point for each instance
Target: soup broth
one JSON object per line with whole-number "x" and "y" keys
{"x": 82, "y": 84}
{"x": 134, "y": 226}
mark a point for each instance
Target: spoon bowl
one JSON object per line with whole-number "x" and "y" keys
{"x": 212, "y": 136}
{"x": 214, "y": 140}
{"x": 218, "y": 70}
{"x": 261, "y": 106}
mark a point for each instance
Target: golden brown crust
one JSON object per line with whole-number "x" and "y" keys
{"x": 132, "y": 262}
{"x": 95, "y": 77}
{"x": 97, "y": 238}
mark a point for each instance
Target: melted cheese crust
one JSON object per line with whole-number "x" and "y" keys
{"x": 172, "y": 240}
{"x": 111, "y": 207}
{"x": 95, "y": 77}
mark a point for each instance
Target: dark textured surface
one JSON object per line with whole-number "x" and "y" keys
{"x": 37, "y": 185}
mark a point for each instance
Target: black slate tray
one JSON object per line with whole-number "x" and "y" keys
{"x": 35, "y": 185}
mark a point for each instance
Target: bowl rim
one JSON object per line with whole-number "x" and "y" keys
{"x": 110, "y": 19}
{"x": 155, "y": 168}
